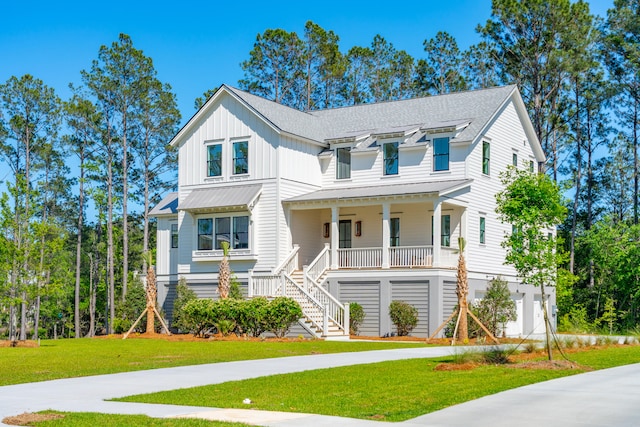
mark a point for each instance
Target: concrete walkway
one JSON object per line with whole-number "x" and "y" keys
{"x": 603, "y": 398}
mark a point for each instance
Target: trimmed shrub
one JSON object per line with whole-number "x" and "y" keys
{"x": 184, "y": 294}
{"x": 404, "y": 316}
{"x": 251, "y": 316}
{"x": 280, "y": 314}
{"x": 198, "y": 317}
{"x": 356, "y": 317}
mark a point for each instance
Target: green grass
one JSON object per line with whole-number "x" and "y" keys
{"x": 86, "y": 419}
{"x": 389, "y": 391}
{"x": 75, "y": 358}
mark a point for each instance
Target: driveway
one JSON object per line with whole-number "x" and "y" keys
{"x": 602, "y": 398}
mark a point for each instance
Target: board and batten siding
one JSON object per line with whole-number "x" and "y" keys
{"x": 299, "y": 161}
{"x": 228, "y": 121}
{"x": 506, "y": 136}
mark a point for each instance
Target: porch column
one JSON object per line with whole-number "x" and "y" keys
{"x": 463, "y": 225}
{"x": 335, "y": 211}
{"x": 386, "y": 234}
{"x": 437, "y": 231}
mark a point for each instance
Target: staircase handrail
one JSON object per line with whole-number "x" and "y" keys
{"x": 308, "y": 298}
{"x": 290, "y": 263}
{"x": 320, "y": 264}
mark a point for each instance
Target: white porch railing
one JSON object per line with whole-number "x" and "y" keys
{"x": 319, "y": 265}
{"x": 359, "y": 257}
{"x": 399, "y": 256}
{"x": 411, "y": 256}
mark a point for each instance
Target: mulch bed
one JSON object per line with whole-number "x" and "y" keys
{"x": 27, "y": 419}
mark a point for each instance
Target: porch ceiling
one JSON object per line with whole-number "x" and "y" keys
{"x": 241, "y": 197}
{"x": 433, "y": 188}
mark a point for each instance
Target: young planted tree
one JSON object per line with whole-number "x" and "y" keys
{"x": 532, "y": 204}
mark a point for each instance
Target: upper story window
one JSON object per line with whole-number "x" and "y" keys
{"x": 483, "y": 222}
{"x": 214, "y": 160}
{"x": 343, "y": 167}
{"x": 441, "y": 154}
{"x": 514, "y": 160}
{"x": 390, "y": 155}
{"x": 240, "y": 157}
{"x": 394, "y": 232}
{"x": 174, "y": 236}
{"x": 531, "y": 166}
{"x": 486, "y": 157}
{"x": 231, "y": 229}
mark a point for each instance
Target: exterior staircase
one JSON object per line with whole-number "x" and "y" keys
{"x": 324, "y": 316}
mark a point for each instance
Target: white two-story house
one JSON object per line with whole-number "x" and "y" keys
{"x": 357, "y": 204}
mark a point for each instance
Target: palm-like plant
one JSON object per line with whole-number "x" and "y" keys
{"x": 224, "y": 273}
{"x": 462, "y": 291}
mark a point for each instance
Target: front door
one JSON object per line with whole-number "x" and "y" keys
{"x": 344, "y": 233}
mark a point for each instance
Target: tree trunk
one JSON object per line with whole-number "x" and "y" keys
{"x": 76, "y": 311}
{"x": 578, "y": 181}
{"x": 125, "y": 219}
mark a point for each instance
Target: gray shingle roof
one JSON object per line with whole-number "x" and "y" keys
{"x": 433, "y": 112}
{"x": 416, "y": 188}
{"x": 167, "y": 206}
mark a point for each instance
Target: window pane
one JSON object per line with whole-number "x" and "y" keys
{"x": 214, "y": 160}
{"x": 482, "y": 229}
{"x": 223, "y": 230}
{"x": 531, "y": 166}
{"x": 441, "y": 154}
{"x": 515, "y": 160}
{"x": 394, "y": 225}
{"x": 174, "y": 235}
{"x": 240, "y": 157}
{"x": 390, "y": 152}
{"x": 485, "y": 157}
{"x": 446, "y": 230}
{"x": 343, "y": 169}
{"x": 205, "y": 237}
{"x": 241, "y": 232}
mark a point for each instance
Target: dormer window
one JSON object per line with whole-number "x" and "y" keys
{"x": 343, "y": 166}
{"x": 441, "y": 154}
{"x": 390, "y": 155}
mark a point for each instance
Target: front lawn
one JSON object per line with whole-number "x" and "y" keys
{"x": 93, "y": 356}
{"x": 388, "y": 391}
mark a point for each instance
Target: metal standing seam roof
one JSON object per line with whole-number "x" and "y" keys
{"x": 222, "y": 198}
{"x": 417, "y": 188}
{"x": 167, "y": 206}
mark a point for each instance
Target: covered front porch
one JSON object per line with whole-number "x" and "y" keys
{"x": 382, "y": 234}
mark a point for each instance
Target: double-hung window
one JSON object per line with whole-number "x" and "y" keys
{"x": 223, "y": 231}
{"x": 174, "y": 236}
{"x": 514, "y": 161}
{"x": 394, "y": 232}
{"x": 205, "y": 234}
{"x": 240, "y": 232}
{"x": 240, "y": 157}
{"x": 486, "y": 157}
{"x": 441, "y": 154}
{"x": 482, "y": 229}
{"x": 214, "y": 160}
{"x": 445, "y": 239}
{"x": 343, "y": 166}
{"x": 390, "y": 155}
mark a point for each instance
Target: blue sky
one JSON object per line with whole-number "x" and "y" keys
{"x": 199, "y": 45}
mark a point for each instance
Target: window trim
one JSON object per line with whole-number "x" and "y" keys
{"x": 393, "y": 160}
{"x": 235, "y": 159}
{"x": 201, "y": 234}
{"x": 441, "y": 155}
{"x": 486, "y": 158}
{"x": 514, "y": 159}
